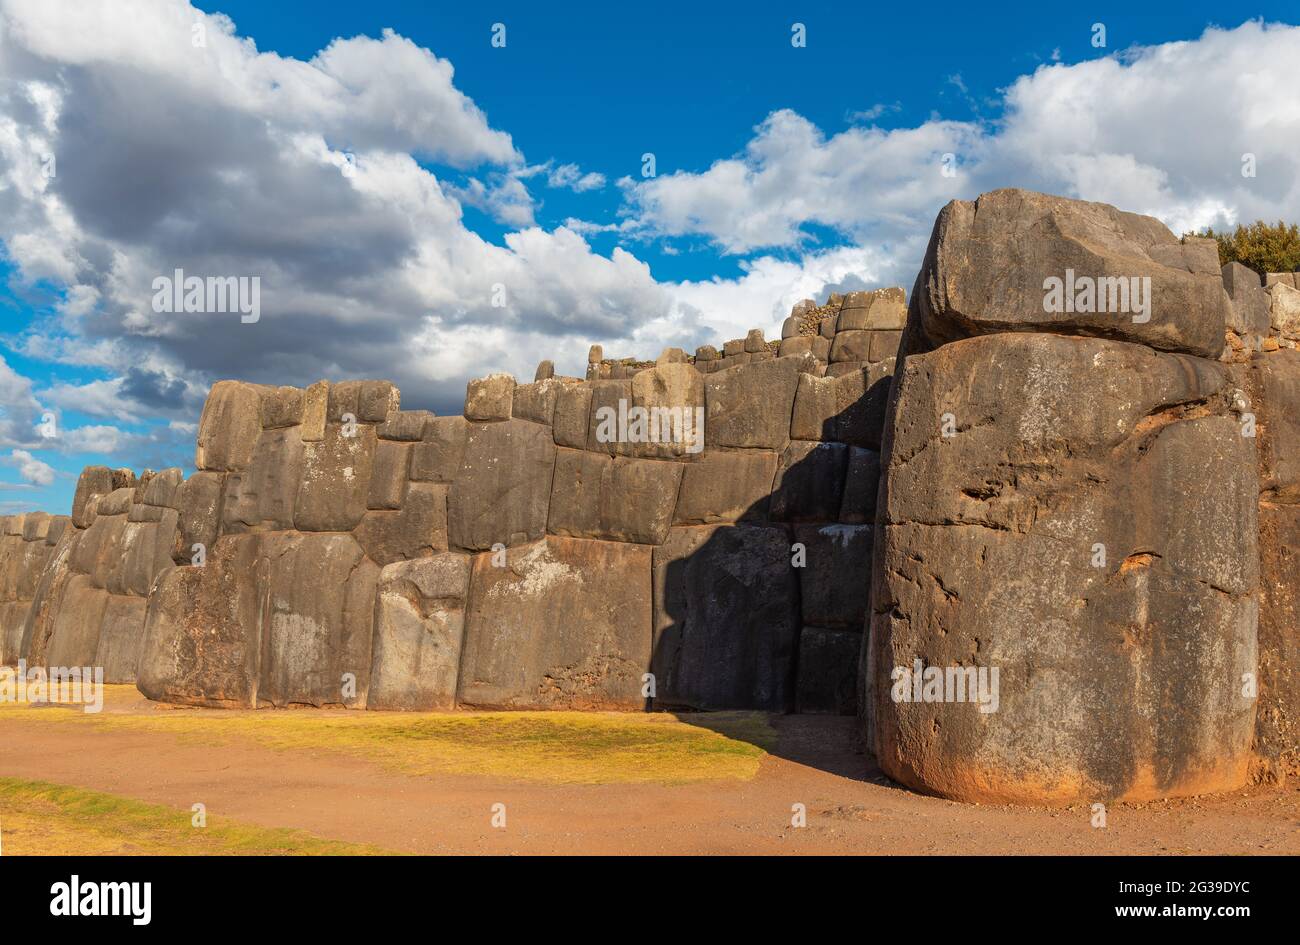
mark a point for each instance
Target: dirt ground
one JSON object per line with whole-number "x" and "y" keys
{"x": 850, "y": 807}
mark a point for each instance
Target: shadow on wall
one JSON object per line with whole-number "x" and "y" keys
{"x": 769, "y": 612}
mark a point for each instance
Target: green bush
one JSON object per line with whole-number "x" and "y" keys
{"x": 1264, "y": 247}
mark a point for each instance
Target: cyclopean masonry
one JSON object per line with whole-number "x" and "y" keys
{"x": 1050, "y": 554}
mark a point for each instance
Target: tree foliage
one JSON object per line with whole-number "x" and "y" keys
{"x": 1264, "y": 247}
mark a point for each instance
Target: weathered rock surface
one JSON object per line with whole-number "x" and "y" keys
{"x": 204, "y": 628}
{"x": 320, "y": 619}
{"x": 751, "y": 408}
{"x": 262, "y": 496}
{"x": 419, "y": 630}
{"x": 726, "y": 617}
{"x": 809, "y": 482}
{"x": 989, "y": 259}
{"x": 612, "y": 497}
{"x": 726, "y": 487}
{"x": 335, "y": 483}
{"x": 121, "y": 637}
{"x": 501, "y": 492}
{"x": 490, "y": 398}
{"x": 1099, "y": 551}
{"x": 835, "y": 575}
{"x": 565, "y": 624}
{"x": 417, "y": 529}
{"x": 229, "y": 427}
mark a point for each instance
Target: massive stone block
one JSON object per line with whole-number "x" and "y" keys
{"x": 320, "y": 619}
{"x": 809, "y": 482}
{"x": 204, "y": 627}
{"x": 389, "y": 475}
{"x": 1093, "y": 539}
{"x": 572, "y": 410}
{"x": 146, "y": 551}
{"x": 13, "y": 617}
{"x": 751, "y": 407}
{"x": 726, "y": 487}
{"x": 164, "y": 489}
{"x": 566, "y": 624}
{"x": 229, "y": 427}
{"x": 419, "y": 630}
{"x": 1276, "y": 392}
{"x": 606, "y": 396}
{"x": 200, "y": 514}
{"x": 404, "y": 425}
{"x": 1277, "y": 729}
{"x": 438, "y": 457}
{"x": 262, "y": 496}
{"x": 377, "y": 401}
{"x": 93, "y": 481}
{"x": 612, "y": 497}
{"x": 861, "y": 482}
{"x": 989, "y": 259}
{"x": 315, "y": 411}
{"x": 282, "y": 407}
{"x": 38, "y": 627}
{"x": 1284, "y": 311}
{"x": 672, "y": 394}
{"x": 836, "y": 574}
{"x": 1248, "y": 314}
{"x": 121, "y": 637}
{"x": 501, "y": 491}
{"x": 536, "y": 401}
{"x": 852, "y": 345}
{"x": 75, "y": 637}
{"x": 418, "y": 528}
{"x": 1271, "y": 387}
{"x": 489, "y": 398}
{"x": 849, "y": 408}
{"x": 335, "y": 483}
{"x": 726, "y": 618}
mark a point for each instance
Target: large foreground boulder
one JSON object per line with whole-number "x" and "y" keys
{"x": 1090, "y": 540}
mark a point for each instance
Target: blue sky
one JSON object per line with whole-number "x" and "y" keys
{"x": 782, "y": 173}
{"x": 605, "y": 83}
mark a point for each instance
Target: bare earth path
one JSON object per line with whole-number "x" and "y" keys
{"x": 850, "y": 808}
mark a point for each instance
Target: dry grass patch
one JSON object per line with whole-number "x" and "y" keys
{"x": 38, "y": 818}
{"x": 561, "y": 747}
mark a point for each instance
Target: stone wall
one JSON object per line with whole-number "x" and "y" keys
{"x": 1096, "y": 500}
{"x": 27, "y": 544}
{"x": 90, "y": 586}
{"x": 334, "y": 549}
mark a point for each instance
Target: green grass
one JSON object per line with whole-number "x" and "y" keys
{"x": 38, "y": 818}
{"x": 561, "y": 747}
